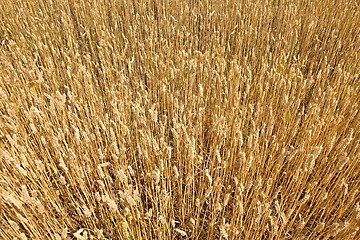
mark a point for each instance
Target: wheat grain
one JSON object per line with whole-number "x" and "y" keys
{"x": 179, "y": 119}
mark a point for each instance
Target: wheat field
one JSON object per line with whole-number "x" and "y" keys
{"x": 179, "y": 119}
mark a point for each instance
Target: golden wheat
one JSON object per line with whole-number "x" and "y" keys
{"x": 167, "y": 119}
